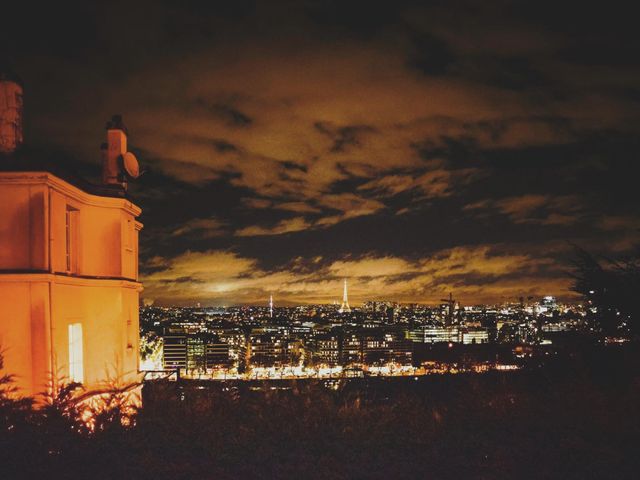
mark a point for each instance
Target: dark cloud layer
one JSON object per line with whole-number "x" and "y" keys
{"x": 413, "y": 147}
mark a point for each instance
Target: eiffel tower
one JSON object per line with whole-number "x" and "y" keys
{"x": 345, "y": 308}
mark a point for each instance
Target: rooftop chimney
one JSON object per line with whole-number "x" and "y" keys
{"x": 10, "y": 113}
{"x": 113, "y": 151}
{"x": 118, "y": 165}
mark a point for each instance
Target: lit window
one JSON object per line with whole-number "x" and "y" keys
{"x": 76, "y": 367}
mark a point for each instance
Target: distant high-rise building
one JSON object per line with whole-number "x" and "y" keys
{"x": 434, "y": 334}
{"x": 345, "y": 308}
{"x": 326, "y": 349}
{"x": 174, "y": 351}
{"x": 386, "y": 346}
{"x": 548, "y": 303}
{"x": 474, "y": 335}
{"x": 199, "y": 351}
{"x": 351, "y": 348}
{"x": 450, "y": 305}
{"x": 268, "y": 349}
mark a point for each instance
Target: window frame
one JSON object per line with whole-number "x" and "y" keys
{"x": 71, "y": 225}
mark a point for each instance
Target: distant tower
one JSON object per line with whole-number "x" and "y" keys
{"x": 345, "y": 308}
{"x": 10, "y": 113}
{"x": 451, "y": 303}
{"x": 271, "y": 306}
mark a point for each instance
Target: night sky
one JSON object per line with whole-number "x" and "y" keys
{"x": 415, "y": 148}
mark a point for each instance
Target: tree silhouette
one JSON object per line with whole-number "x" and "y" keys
{"x": 611, "y": 289}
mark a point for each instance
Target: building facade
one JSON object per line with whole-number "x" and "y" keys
{"x": 197, "y": 352}
{"x": 69, "y": 289}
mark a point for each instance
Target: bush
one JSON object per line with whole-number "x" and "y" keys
{"x": 555, "y": 423}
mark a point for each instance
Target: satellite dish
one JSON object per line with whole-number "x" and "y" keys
{"x": 130, "y": 165}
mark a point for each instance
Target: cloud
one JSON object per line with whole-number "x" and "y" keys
{"x": 435, "y": 183}
{"x": 257, "y": 203}
{"x": 278, "y": 130}
{"x": 622, "y": 234}
{"x": 370, "y": 267}
{"x": 342, "y": 206}
{"x": 299, "y": 207}
{"x": 534, "y": 208}
{"x": 350, "y": 205}
{"x": 290, "y": 225}
{"x": 210, "y": 266}
{"x": 203, "y": 227}
{"x": 231, "y": 116}
{"x": 619, "y": 222}
{"x": 475, "y": 274}
{"x": 343, "y": 137}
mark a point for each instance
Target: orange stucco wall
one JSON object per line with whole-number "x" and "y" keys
{"x": 39, "y": 297}
{"x": 22, "y": 227}
{"x": 109, "y": 316}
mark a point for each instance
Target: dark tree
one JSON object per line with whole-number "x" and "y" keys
{"x": 612, "y": 290}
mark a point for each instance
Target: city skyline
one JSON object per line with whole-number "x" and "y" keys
{"x": 273, "y": 302}
{"x": 290, "y": 145}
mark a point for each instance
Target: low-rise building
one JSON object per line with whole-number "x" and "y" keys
{"x": 434, "y": 334}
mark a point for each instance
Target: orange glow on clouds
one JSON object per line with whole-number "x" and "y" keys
{"x": 222, "y": 277}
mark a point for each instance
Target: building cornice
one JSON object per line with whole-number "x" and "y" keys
{"x": 66, "y": 188}
{"x": 63, "y": 279}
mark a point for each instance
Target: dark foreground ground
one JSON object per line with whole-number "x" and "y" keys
{"x": 578, "y": 417}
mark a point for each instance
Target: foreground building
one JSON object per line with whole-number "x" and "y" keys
{"x": 69, "y": 288}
